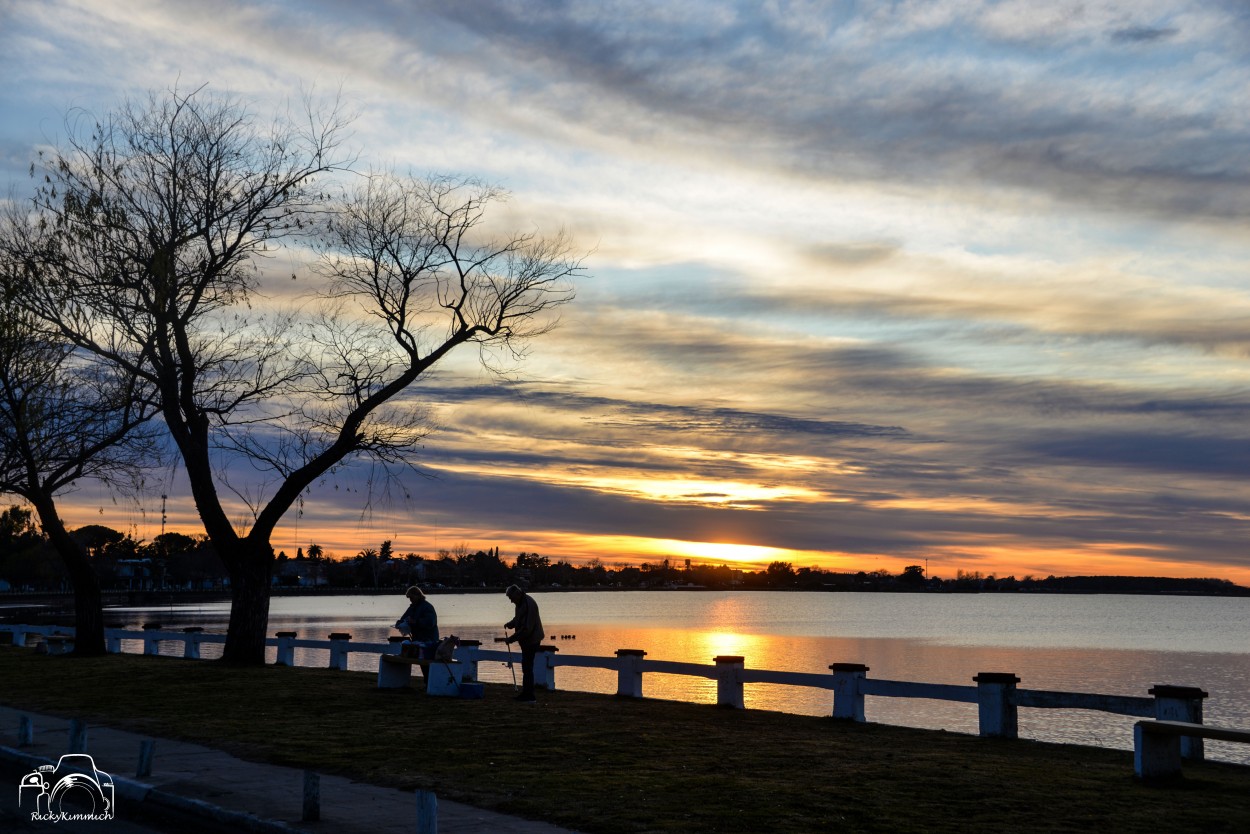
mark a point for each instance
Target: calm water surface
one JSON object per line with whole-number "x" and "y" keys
{"x": 1117, "y": 645}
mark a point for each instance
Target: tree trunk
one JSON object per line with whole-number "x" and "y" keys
{"x": 88, "y": 611}
{"x": 88, "y": 602}
{"x": 251, "y": 572}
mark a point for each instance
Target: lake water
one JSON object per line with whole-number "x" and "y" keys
{"x": 1107, "y": 644}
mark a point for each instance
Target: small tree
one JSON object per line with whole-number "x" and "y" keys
{"x": 780, "y": 573}
{"x": 23, "y": 560}
{"x": 368, "y": 559}
{"x": 63, "y": 417}
{"x": 17, "y": 529}
{"x": 912, "y": 576}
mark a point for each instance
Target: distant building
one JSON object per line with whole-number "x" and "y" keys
{"x": 300, "y": 573}
{"x": 135, "y": 573}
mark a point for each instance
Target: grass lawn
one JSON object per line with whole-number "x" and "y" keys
{"x": 602, "y": 764}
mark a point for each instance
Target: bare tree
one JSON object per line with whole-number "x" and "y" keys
{"x": 64, "y": 416}
{"x": 162, "y": 213}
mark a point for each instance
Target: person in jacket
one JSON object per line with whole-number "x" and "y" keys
{"x": 419, "y": 623}
{"x": 528, "y": 633}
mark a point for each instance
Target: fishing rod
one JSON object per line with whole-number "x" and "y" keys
{"x": 504, "y": 640}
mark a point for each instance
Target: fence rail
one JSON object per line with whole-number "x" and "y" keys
{"x": 996, "y": 694}
{"x": 1139, "y": 707}
{"x": 909, "y": 689}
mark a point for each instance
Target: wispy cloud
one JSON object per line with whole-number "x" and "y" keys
{"x": 1144, "y": 34}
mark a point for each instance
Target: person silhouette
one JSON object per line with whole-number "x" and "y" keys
{"x": 419, "y": 623}
{"x": 527, "y": 631}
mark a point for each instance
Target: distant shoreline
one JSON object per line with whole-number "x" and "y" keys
{"x": 11, "y": 603}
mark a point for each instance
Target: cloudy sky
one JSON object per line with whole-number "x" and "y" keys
{"x": 869, "y": 283}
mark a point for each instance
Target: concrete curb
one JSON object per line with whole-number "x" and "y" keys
{"x": 140, "y": 793}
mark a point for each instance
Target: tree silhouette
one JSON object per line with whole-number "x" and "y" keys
{"x": 780, "y": 574}
{"x": 63, "y": 417}
{"x": 23, "y": 556}
{"x": 369, "y": 560}
{"x": 162, "y": 213}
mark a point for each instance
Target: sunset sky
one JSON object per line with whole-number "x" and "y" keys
{"x": 867, "y": 283}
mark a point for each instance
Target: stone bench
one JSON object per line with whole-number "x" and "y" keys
{"x": 60, "y": 643}
{"x": 55, "y": 644}
{"x": 1157, "y": 745}
{"x": 442, "y": 677}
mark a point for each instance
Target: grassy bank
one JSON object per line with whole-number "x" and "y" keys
{"x": 600, "y": 764}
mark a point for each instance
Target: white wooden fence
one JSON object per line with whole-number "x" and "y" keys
{"x": 996, "y": 694}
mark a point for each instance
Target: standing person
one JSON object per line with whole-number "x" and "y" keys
{"x": 528, "y": 633}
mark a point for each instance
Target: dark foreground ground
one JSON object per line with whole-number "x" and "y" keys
{"x": 600, "y": 764}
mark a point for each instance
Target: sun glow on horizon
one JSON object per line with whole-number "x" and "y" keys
{"x": 729, "y": 553}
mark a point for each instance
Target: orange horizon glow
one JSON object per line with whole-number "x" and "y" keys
{"x": 997, "y": 556}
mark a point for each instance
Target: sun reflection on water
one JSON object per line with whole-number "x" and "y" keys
{"x": 713, "y": 644}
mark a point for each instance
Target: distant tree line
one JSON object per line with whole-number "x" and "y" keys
{"x": 175, "y": 561}
{"x": 915, "y": 578}
{"x": 29, "y": 562}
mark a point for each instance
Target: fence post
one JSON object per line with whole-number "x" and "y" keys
{"x": 312, "y": 797}
{"x": 996, "y": 699}
{"x": 427, "y": 812}
{"x": 191, "y": 646}
{"x": 338, "y": 650}
{"x": 151, "y": 645}
{"x": 112, "y": 642}
{"x": 146, "y": 748}
{"x": 466, "y": 653}
{"x": 1181, "y": 703}
{"x": 77, "y": 736}
{"x": 729, "y": 681}
{"x": 286, "y": 648}
{"x": 25, "y": 731}
{"x": 848, "y": 700}
{"x": 629, "y": 673}
{"x": 19, "y": 637}
{"x": 544, "y": 671}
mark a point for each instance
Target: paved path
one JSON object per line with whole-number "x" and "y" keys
{"x": 210, "y": 785}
